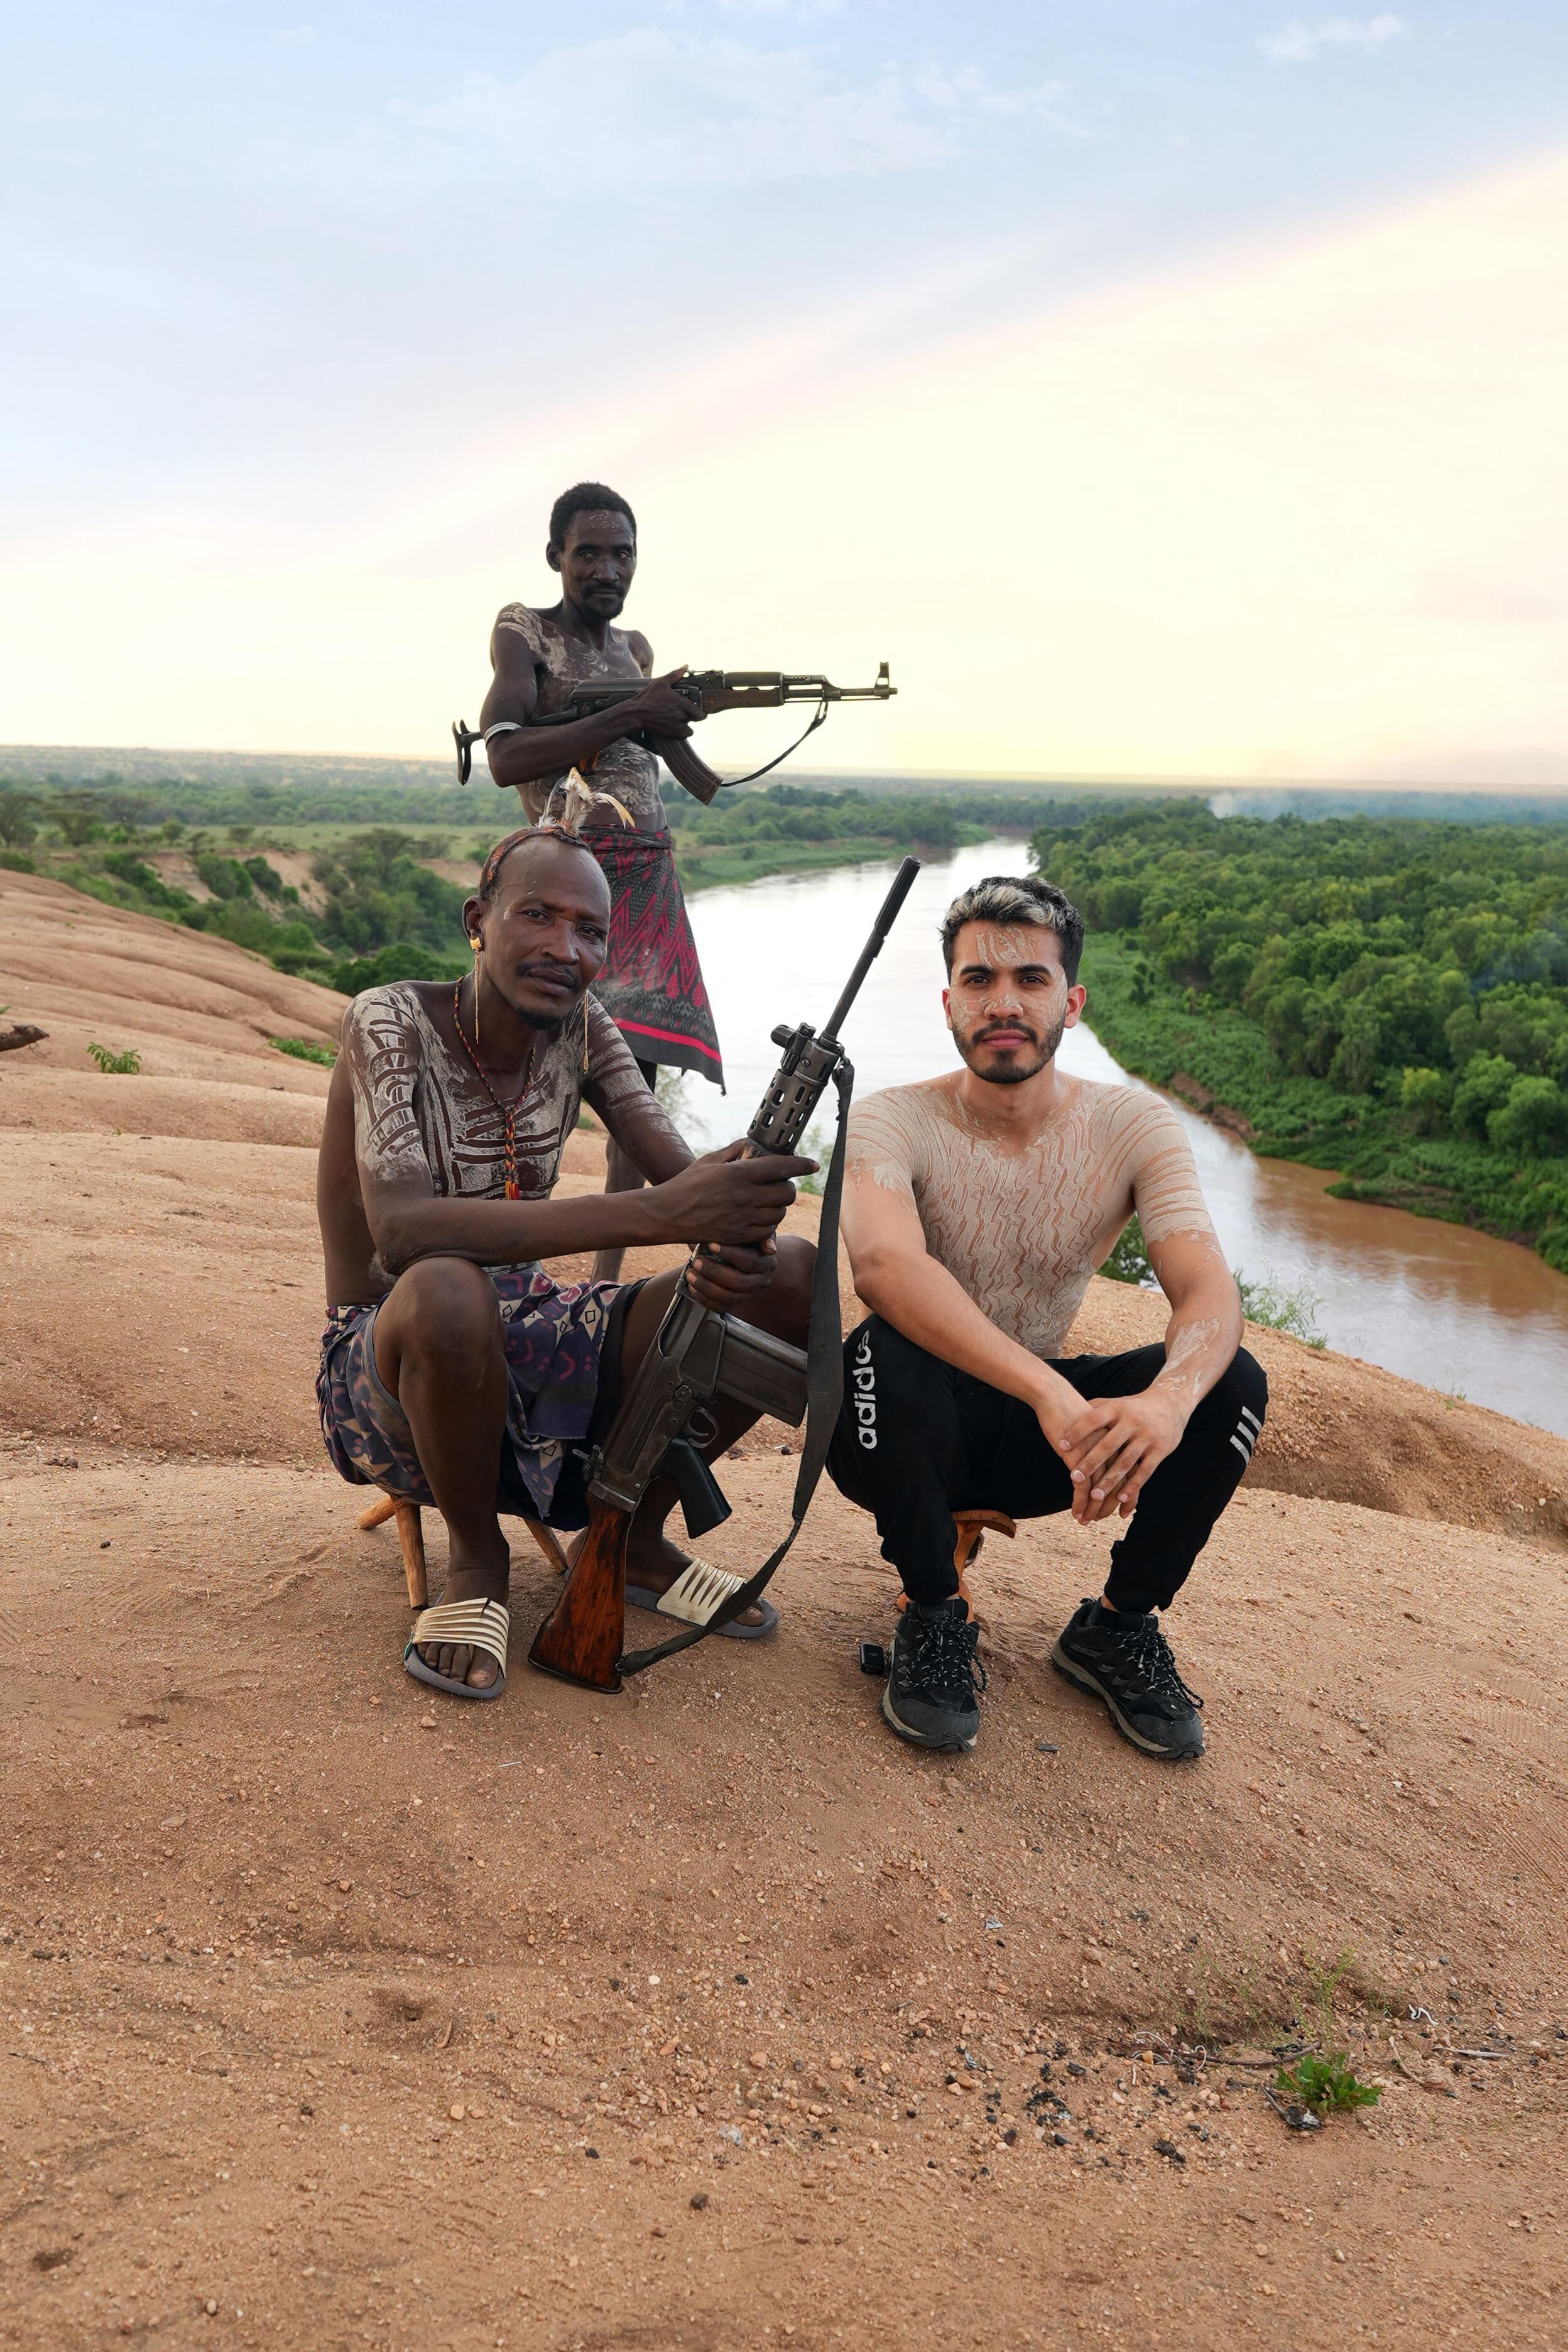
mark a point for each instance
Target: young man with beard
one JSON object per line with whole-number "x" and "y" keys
{"x": 454, "y": 1369}
{"x": 650, "y": 983}
{"x": 976, "y": 1208}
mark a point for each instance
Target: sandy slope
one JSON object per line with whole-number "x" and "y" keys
{"x": 317, "y": 1997}
{"x": 194, "y": 1007}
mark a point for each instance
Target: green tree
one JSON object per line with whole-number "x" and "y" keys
{"x": 378, "y": 895}
{"x": 18, "y": 828}
{"x": 1424, "y": 1094}
{"x": 1533, "y": 1122}
{"x": 78, "y": 824}
{"x": 1484, "y": 1086}
{"x": 225, "y": 876}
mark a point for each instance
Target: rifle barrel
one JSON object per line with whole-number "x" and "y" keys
{"x": 902, "y": 882}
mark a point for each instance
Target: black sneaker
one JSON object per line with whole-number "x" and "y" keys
{"x": 930, "y": 1695}
{"x": 1126, "y": 1661}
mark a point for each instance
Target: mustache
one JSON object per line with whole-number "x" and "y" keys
{"x": 552, "y": 971}
{"x": 983, "y": 1036}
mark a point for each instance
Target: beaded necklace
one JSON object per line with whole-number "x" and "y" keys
{"x": 507, "y": 1110}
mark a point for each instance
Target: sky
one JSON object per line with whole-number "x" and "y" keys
{"x": 1162, "y": 388}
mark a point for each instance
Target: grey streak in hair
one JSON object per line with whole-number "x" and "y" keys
{"x": 1016, "y": 898}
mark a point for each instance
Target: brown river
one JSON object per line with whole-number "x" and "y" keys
{"x": 1454, "y": 1309}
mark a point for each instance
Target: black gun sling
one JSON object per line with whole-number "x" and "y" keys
{"x": 824, "y": 1394}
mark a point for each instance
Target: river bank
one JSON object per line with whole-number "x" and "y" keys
{"x": 1219, "y": 1061}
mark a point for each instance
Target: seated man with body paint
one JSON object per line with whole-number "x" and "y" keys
{"x": 455, "y": 1371}
{"x": 976, "y": 1207}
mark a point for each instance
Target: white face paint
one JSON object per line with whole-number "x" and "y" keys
{"x": 1005, "y": 947}
{"x": 1008, "y": 971}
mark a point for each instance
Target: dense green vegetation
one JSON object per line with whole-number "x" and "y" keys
{"x": 1387, "y": 997}
{"x": 376, "y": 912}
{"x": 373, "y": 910}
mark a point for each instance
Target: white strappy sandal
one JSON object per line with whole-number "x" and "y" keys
{"x": 482, "y": 1624}
{"x": 696, "y": 1596}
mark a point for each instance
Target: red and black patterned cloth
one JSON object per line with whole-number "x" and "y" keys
{"x": 652, "y": 983}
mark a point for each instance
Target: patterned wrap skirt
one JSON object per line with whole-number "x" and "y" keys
{"x": 652, "y": 983}
{"x": 554, "y": 1335}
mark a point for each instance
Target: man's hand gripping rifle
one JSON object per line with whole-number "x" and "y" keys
{"x": 706, "y": 690}
{"x": 698, "y": 1354}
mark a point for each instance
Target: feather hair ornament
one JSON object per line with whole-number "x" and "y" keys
{"x": 576, "y": 797}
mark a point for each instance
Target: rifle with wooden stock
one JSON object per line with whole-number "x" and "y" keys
{"x": 707, "y": 691}
{"x": 698, "y": 1354}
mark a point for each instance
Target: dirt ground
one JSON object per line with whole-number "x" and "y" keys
{"x": 325, "y": 2023}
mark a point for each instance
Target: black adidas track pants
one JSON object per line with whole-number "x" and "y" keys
{"x": 917, "y": 1440}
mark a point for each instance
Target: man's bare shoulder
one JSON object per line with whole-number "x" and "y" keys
{"x": 910, "y": 1111}
{"x": 535, "y": 627}
{"x": 1125, "y": 1110}
{"x": 927, "y": 1095}
{"x": 640, "y": 651}
{"x": 399, "y": 1005}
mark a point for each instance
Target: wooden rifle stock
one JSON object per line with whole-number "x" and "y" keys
{"x": 585, "y": 1633}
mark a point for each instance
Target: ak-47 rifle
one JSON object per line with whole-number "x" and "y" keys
{"x": 706, "y": 690}
{"x": 698, "y": 1354}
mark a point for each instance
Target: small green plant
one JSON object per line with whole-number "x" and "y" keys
{"x": 1316, "y": 2019}
{"x": 1291, "y": 1308}
{"x": 303, "y": 1051}
{"x": 1324, "y": 2087}
{"x": 1220, "y": 2002}
{"x": 116, "y": 1066}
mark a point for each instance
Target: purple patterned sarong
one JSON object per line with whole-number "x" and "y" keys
{"x": 553, "y": 1334}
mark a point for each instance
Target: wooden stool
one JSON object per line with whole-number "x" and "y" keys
{"x": 410, "y": 1540}
{"x": 972, "y": 1528}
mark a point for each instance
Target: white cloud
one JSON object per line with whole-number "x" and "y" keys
{"x": 672, "y": 110}
{"x": 1299, "y": 44}
{"x": 969, "y": 88}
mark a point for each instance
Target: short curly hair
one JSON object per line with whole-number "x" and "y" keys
{"x": 1016, "y": 898}
{"x": 587, "y": 497}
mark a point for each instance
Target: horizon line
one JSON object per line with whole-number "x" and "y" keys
{"x": 1178, "y": 780}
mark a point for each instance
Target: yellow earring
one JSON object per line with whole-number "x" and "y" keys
{"x": 585, "y": 1036}
{"x": 476, "y": 944}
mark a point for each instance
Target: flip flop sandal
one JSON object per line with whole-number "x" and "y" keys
{"x": 696, "y": 1593}
{"x": 482, "y": 1624}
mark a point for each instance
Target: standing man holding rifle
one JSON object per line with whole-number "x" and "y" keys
{"x": 652, "y": 983}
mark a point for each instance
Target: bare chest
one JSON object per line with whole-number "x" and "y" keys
{"x": 474, "y": 1144}
{"x": 565, "y": 662}
{"x": 1045, "y": 1205}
